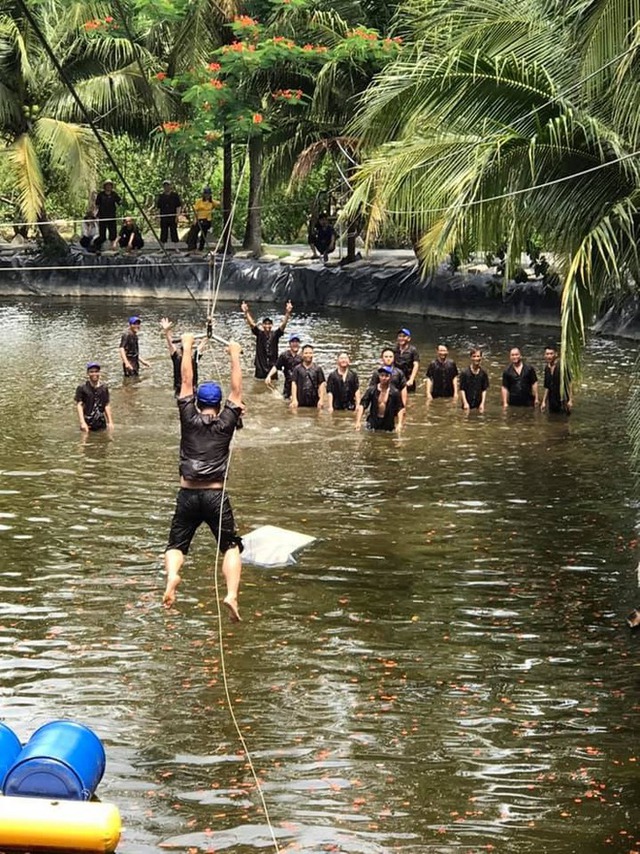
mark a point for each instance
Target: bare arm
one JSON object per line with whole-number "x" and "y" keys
{"x": 456, "y": 389}
{"x": 125, "y": 361}
{"x": 83, "y": 424}
{"x": 186, "y": 366}
{"x": 294, "y": 394}
{"x": 287, "y": 315}
{"x": 534, "y": 392}
{"x": 414, "y": 373}
{"x": 400, "y": 420}
{"x": 482, "y": 401}
{"x": 359, "y": 414}
{"x": 504, "y": 393}
{"x": 269, "y": 377}
{"x": 235, "y": 391}
{"x": 429, "y": 388}
{"x": 463, "y": 399}
{"x": 108, "y": 416}
{"x": 545, "y": 398}
{"x": 166, "y": 326}
{"x": 322, "y": 388}
{"x": 247, "y": 314}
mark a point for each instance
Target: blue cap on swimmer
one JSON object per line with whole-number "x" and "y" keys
{"x": 209, "y": 394}
{"x": 385, "y": 369}
{"x": 294, "y": 337}
{"x": 134, "y": 320}
{"x": 404, "y": 331}
{"x": 93, "y": 366}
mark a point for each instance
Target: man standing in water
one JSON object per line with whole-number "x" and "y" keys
{"x": 384, "y": 402}
{"x": 519, "y": 382}
{"x": 266, "y": 339}
{"x": 130, "y": 349}
{"x": 206, "y": 432}
{"x": 442, "y": 376}
{"x": 398, "y": 379}
{"x": 407, "y": 358}
{"x": 92, "y": 402}
{"x": 554, "y": 399}
{"x": 286, "y": 362}
{"x": 307, "y": 382}
{"x": 474, "y": 383}
{"x": 343, "y": 386}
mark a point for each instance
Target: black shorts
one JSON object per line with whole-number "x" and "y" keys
{"x": 195, "y": 506}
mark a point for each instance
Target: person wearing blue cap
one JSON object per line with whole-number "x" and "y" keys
{"x": 407, "y": 358}
{"x": 383, "y": 404}
{"x": 286, "y": 362}
{"x": 398, "y": 380}
{"x": 266, "y": 339}
{"x": 92, "y": 402}
{"x": 130, "y": 349}
{"x": 206, "y": 431}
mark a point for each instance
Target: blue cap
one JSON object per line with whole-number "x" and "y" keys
{"x": 92, "y": 365}
{"x": 209, "y": 394}
{"x": 133, "y": 320}
{"x": 385, "y": 369}
{"x": 404, "y": 331}
{"x": 294, "y": 337}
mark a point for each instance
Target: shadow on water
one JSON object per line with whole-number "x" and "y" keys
{"x": 445, "y": 669}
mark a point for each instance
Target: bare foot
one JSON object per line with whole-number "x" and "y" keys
{"x": 232, "y": 604}
{"x": 169, "y": 596}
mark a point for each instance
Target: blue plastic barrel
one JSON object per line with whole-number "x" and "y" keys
{"x": 10, "y": 747}
{"x": 62, "y": 760}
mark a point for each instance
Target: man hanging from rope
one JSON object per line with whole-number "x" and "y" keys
{"x": 205, "y": 436}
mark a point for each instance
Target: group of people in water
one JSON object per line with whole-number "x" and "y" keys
{"x": 208, "y": 423}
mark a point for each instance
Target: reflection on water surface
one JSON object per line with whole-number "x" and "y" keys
{"x": 447, "y": 669}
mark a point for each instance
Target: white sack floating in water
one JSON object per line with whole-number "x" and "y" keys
{"x": 272, "y": 546}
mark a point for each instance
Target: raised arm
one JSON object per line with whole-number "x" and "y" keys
{"x": 186, "y": 366}
{"x": 166, "y": 326}
{"x": 235, "y": 391}
{"x": 244, "y": 306}
{"x": 287, "y": 315}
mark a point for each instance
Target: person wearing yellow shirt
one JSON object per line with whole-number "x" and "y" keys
{"x": 203, "y": 208}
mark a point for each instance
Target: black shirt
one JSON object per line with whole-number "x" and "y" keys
{"x": 308, "y": 381}
{"x": 286, "y": 362}
{"x": 266, "y": 350}
{"x": 94, "y": 400}
{"x": 168, "y": 203}
{"x": 131, "y": 346}
{"x": 473, "y": 385}
{"x": 442, "y": 375}
{"x": 405, "y": 359}
{"x": 343, "y": 389}
{"x": 394, "y": 405}
{"x": 398, "y": 379}
{"x": 205, "y": 440}
{"x": 106, "y": 204}
{"x": 321, "y": 237}
{"x": 519, "y": 385}
{"x": 176, "y": 358}
{"x": 556, "y": 401}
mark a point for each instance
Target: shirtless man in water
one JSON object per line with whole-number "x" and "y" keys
{"x": 384, "y": 402}
{"x": 206, "y": 431}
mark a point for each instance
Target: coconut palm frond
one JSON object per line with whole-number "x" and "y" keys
{"x": 23, "y": 159}
{"x": 71, "y": 147}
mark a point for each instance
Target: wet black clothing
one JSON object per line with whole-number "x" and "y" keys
{"x": 473, "y": 385}
{"x": 556, "y": 401}
{"x": 131, "y": 346}
{"x": 205, "y": 440}
{"x": 176, "y": 358}
{"x": 519, "y": 385}
{"x": 394, "y": 405}
{"x": 266, "y": 350}
{"x": 322, "y": 237}
{"x": 106, "y": 204}
{"x": 343, "y": 390}
{"x": 405, "y": 360}
{"x": 398, "y": 379}
{"x": 442, "y": 375}
{"x": 168, "y": 204}
{"x": 94, "y": 400}
{"x": 125, "y": 237}
{"x": 195, "y": 506}
{"x": 308, "y": 381}
{"x": 286, "y": 362}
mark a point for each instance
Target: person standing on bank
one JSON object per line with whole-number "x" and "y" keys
{"x": 343, "y": 386}
{"x": 130, "y": 349}
{"x": 474, "y": 382}
{"x": 169, "y": 204}
{"x": 203, "y": 208}
{"x": 442, "y": 376}
{"x": 92, "y": 402}
{"x": 554, "y": 399}
{"x": 175, "y": 353}
{"x": 266, "y": 339}
{"x": 383, "y": 403}
{"x": 519, "y": 382}
{"x": 206, "y": 432}
{"x": 308, "y": 384}
{"x": 286, "y": 362}
{"x": 106, "y": 204}
{"x": 407, "y": 358}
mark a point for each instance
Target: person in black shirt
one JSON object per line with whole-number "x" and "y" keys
{"x": 106, "y": 203}
{"x": 343, "y": 386}
{"x": 130, "y": 237}
{"x": 474, "y": 383}
{"x": 130, "y": 349}
{"x": 407, "y": 358}
{"x": 169, "y": 204}
{"x": 92, "y": 402}
{"x": 398, "y": 379}
{"x": 384, "y": 404}
{"x": 322, "y": 237}
{"x": 307, "y": 382}
{"x": 519, "y": 382}
{"x": 266, "y": 339}
{"x": 175, "y": 352}
{"x": 286, "y": 362}
{"x": 442, "y": 376}
{"x": 206, "y": 432}
{"x": 555, "y": 398}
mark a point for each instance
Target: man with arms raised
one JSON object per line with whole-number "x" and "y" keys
{"x": 206, "y": 432}
{"x": 266, "y": 339}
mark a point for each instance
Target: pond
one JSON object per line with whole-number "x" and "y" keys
{"x": 446, "y": 669}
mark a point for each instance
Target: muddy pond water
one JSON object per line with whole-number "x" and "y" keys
{"x": 446, "y": 669}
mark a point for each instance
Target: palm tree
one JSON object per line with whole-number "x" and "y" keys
{"x": 510, "y": 117}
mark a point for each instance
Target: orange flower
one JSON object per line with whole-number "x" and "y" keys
{"x": 245, "y": 21}
{"x": 108, "y": 20}
{"x": 214, "y": 66}
{"x": 217, "y": 84}
{"x": 257, "y": 118}
{"x": 160, "y": 75}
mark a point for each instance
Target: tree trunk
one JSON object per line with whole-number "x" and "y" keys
{"x": 227, "y": 191}
{"x": 52, "y": 243}
{"x": 253, "y": 231}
